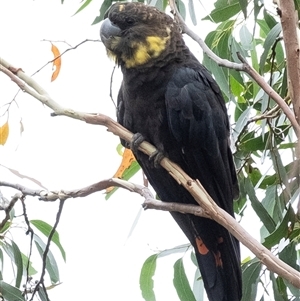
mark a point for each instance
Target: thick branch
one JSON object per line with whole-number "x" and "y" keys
{"x": 194, "y": 187}
{"x": 290, "y": 31}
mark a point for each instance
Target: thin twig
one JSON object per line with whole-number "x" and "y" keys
{"x": 45, "y": 253}
{"x": 31, "y": 232}
{"x": 11, "y": 205}
{"x": 69, "y": 49}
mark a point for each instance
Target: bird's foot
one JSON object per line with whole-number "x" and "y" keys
{"x": 136, "y": 141}
{"x": 156, "y": 157}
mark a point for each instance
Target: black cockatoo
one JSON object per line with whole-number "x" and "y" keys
{"x": 170, "y": 100}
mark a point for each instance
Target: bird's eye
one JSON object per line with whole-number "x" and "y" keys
{"x": 129, "y": 21}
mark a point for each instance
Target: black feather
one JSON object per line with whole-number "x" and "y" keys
{"x": 174, "y": 102}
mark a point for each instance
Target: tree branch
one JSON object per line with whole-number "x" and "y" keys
{"x": 192, "y": 186}
{"x": 289, "y": 22}
{"x": 10, "y": 206}
{"x": 149, "y": 203}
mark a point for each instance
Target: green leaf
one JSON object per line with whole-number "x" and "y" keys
{"x": 181, "y": 8}
{"x": 243, "y": 5}
{"x": 84, "y": 5}
{"x": 198, "y": 286}
{"x": 236, "y": 48}
{"x": 264, "y": 28}
{"x": 42, "y": 294}
{"x": 223, "y": 11}
{"x": 289, "y": 256}
{"x": 10, "y": 293}
{"x": 181, "y": 282}
{"x": 46, "y": 230}
{"x": 51, "y": 265}
{"x": 280, "y": 57}
{"x": 259, "y": 208}
{"x": 178, "y": 249}
{"x": 159, "y": 4}
{"x": 6, "y": 226}
{"x": 262, "y": 142}
{"x": 279, "y": 294}
{"x": 269, "y": 41}
{"x": 103, "y": 9}
{"x": 18, "y": 262}
{"x": 280, "y": 232}
{"x": 270, "y": 20}
{"x": 241, "y": 123}
{"x": 31, "y": 269}
{"x": 246, "y": 38}
{"x": 218, "y": 41}
{"x": 278, "y": 166}
{"x": 257, "y": 8}
{"x": 269, "y": 201}
{"x": 192, "y": 12}
{"x": 146, "y": 281}
{"x": 14, "y": 253}
{"x": 251, "y": 271}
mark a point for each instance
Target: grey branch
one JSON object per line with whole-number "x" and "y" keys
{"x": 149, "y": 203}
{"x": 194, "y": 187}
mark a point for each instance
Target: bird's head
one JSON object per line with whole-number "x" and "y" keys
{"x": 134, "y": 34}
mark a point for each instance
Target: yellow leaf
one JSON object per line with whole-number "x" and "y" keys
{"x": 127, "y": 160}
{"x": 56, "y": 62}
{"x": 4, "y": 131}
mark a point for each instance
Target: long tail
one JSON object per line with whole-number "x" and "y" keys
{"x": 218, "y": 256}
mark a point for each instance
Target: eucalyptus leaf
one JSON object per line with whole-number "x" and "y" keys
{"x": 51, "y": 265}
{"x": 103, "y": 9}
{"x": 46, "y": 229}
{"x": 269, "y": 41}
{"x": 146, "y": 281}
{"x": 13, "y": 251}
{"x": 10, "y": 293}
{"x": 181, "y": 282}
{"x": 84, "y": 5}
{"x": 259, "y": 208}
{"x": 223, "y": 11}
{"x": 280, "y": 232}
{"x": 251, "y": 271}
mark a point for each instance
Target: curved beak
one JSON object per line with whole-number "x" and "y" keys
{"x": 108, "y": 31}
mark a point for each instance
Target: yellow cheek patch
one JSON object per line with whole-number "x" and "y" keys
{"x": 143, "y": 52}
{"x": 156, "y": 44}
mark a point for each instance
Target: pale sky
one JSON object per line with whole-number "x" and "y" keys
{"x": 103, "y": 263}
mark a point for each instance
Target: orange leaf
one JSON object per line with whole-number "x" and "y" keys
{"x": 56, "y": 62}
{"x": 127, "y": 159}
{"x": 4, "y": 131}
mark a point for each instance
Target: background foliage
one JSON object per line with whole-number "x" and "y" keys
{"x": 265, "y": 154}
